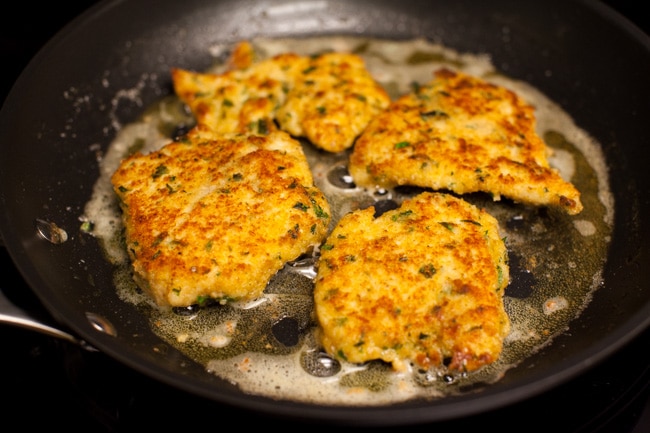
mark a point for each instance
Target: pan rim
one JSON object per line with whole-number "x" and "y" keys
{"x": 17, "y": 250}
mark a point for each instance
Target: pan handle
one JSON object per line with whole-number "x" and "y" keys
{"x": 11, "y": 314}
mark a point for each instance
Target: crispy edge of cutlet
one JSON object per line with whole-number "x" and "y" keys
{"x": 150, "y": 239}
{"x": 407, "y": 145}
{"x": 364, "y": 256}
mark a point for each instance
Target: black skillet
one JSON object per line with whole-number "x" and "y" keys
{"x": 48, "y": 165}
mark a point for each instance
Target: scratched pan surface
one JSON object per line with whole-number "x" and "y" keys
{"x": 67, "y": 100}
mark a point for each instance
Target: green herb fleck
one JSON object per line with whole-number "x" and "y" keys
{"x": 158, "y": 240}
{"x": 294, "y": 232}
{"x": 402, "y": 215}
{"x": 428, "y": 270}
{"x": 433, "y": 113}
{"x": 301, "y": 206}
{"x": 319, "y": 211}
{"x": 449, "y": 226}
{"x": 499, "y": 277}
{"x": 160, "y": 170}
{"x": 87, "y": 226}
{"x": 262, "y": 127}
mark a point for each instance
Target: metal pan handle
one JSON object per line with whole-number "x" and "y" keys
{"x": 11, "y": 314}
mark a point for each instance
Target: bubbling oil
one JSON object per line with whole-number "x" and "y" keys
{"x": 270, "y": 347}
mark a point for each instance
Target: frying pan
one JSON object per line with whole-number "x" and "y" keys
{"x": 63, "y": 109}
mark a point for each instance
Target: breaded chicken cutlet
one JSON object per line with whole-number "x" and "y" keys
{"x": 328, "y": 98}
{"x": 462, "y": 134}
{"x": 243, "y": 99}
{"x": 215, "y": 216}
{"x": 420, "y": 284}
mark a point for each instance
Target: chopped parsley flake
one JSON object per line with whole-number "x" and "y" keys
{"x": 428, "y": 270}
{"x": 301, "y": 206}
{"x": 402, "y": 215}
{"x": 160, "y": 170}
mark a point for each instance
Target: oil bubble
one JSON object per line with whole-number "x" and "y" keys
{"x": 319, "y": 364}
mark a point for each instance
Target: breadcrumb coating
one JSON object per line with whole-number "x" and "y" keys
{"x": 421, "y": 284}
{"x": 328, "y": 98}
{"x": 462, "y": 134}
{"x": 215, "y": 216}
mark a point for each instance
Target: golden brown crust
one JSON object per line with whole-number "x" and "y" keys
{"x": 422, "y": 284}
{"x": 215, "y": 216}
{"x": 331, "y": 101}
{"x": 239, "y": 100}
{"x": 328, "y": 99}
{"x": 462, "y": 134}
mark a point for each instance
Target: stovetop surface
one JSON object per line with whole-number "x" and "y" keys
{"x": 47, "y": 382}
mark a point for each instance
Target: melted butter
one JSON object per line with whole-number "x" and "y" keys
{"x": 268, "y": 347}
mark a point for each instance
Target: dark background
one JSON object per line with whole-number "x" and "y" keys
{"x": 46, "y": 382}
